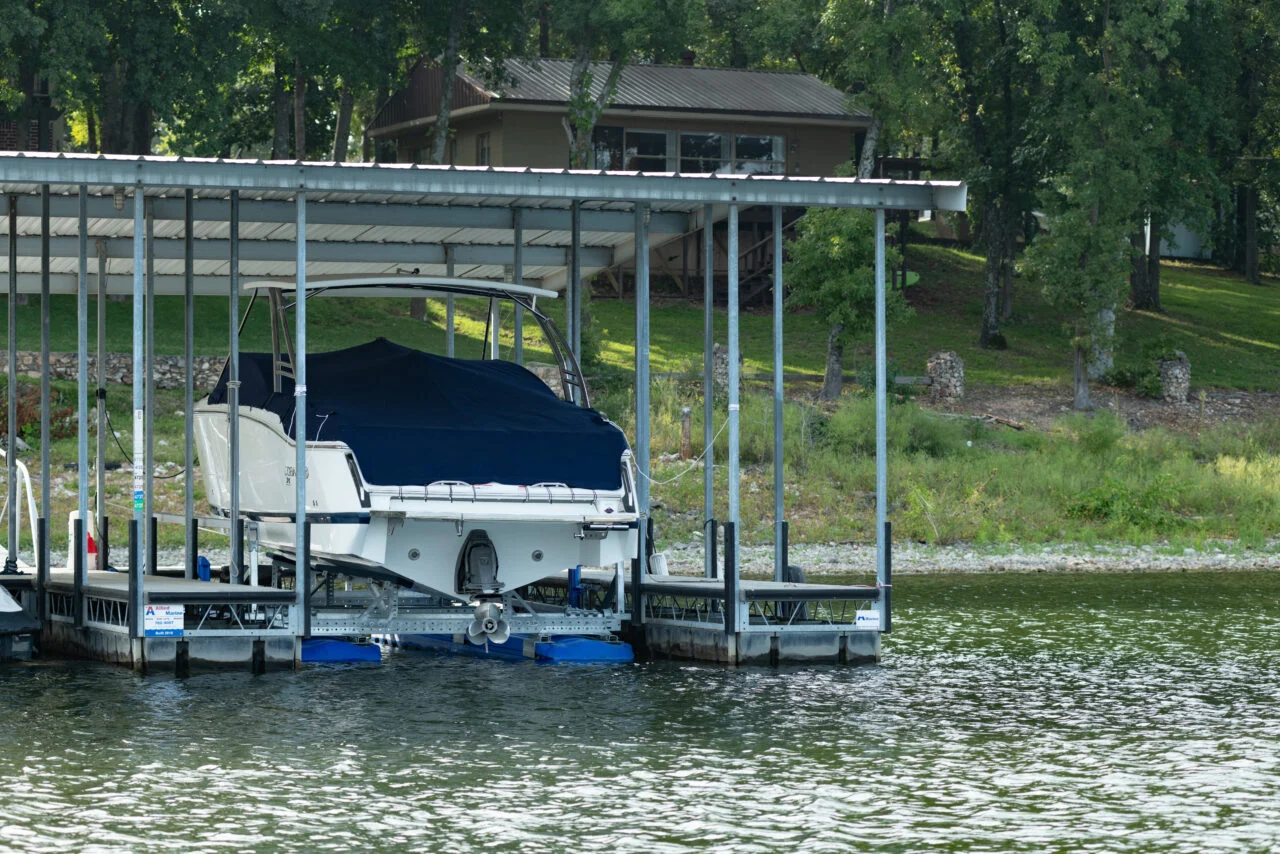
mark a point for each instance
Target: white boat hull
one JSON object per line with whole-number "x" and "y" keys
{"x": 411, "y": 531}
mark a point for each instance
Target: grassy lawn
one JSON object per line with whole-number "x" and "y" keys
{"x": 1230, "y": 330}
{"x": 1085, "y": 480}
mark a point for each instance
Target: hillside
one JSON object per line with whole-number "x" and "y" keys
{"x": 1230, "y": 330}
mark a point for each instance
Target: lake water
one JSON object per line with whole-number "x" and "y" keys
{"x": 1011, "y": 713}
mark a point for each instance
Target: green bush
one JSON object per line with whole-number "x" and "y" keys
{"x": 1097, "y": 434}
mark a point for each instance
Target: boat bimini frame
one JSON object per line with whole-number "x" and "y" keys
{"x": 573, "y": 387}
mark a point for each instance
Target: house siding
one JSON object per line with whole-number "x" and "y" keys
{"x": 537, "y": 139}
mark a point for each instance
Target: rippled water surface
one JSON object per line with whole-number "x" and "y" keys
{"x": 1018, "y": 713}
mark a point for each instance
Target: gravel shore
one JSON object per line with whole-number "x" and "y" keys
{"x": 828, "y": 559}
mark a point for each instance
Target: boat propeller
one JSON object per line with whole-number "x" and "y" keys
{"x": 488, "y": 624}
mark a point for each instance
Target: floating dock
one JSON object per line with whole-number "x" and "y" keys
{"x": 196, "y": 625}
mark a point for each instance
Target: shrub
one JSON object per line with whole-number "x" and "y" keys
{"x": 62, "y": 417}
{"x": 1114, "y": 500}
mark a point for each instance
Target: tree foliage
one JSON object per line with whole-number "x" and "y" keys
{"x": 831, "y": 268}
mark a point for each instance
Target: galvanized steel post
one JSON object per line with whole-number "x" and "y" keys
{"x": 448, "y": 304}
{"x": 779, "y": 549}
{"x": 575, "y": 281}
{"x": 517, "y": 277}
{"x": 11, "y": 456}
{"x": 495, "y": 324}
{"x": 301, "y": 577}
{"x": 82, "y": 393}
{"x": 708, "y": 393}
{"x": 882, "y": 388}
{"x": 189, "y": 387}
{"x": 732, "y": 550}
{"x": 42, "y": 547}
{"x": 100, "y": 469}
{"x": 137, "y": 566}
{"x": 233, "y": 400}
{"x": 639, "y": 568}
{"x": 149, "y": 420}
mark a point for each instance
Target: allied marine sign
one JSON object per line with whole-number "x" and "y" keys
{"x": 164, "y": 621}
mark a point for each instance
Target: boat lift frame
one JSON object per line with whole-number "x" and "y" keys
{"x": 228, "y": 193}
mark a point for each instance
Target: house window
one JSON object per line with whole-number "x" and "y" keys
{"x": 606, "y": 147}
{"x": 646, "y": 151}
{"x": 703, "y": 152}
{"x": 482, "y": 149}
{"x": 753, "y": 154}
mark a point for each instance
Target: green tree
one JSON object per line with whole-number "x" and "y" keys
{"x": 480, "y": 35}
{"x": 1097, "y": 61}
{"x": 1189, "y": 94}
{"x": 831, "y": 268}
{"x": 603, "y": 36}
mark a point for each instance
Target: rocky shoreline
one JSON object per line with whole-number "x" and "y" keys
{"x": 843, "y": 559}
{"x": 830, "y": 559}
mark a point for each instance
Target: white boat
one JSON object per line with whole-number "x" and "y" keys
{"x": 464, "y": 478}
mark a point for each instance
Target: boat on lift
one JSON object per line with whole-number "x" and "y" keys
{"x": 466, "y": 479}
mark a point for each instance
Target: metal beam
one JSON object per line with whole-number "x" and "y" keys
{"x": 32, "y": 168}
{"x": 302, "y": 577}
{"x": 449, "y": 319}
{"x": 137, "y": 552}
{"x": 42, "y": 558}
{"x": 149, "y": 388}
{"x": 10, "y": 443}
{"x": 82, "y": 405}
{"x": 573, "y": 285}
{"x": 517, "y": 277}
{"x": 779, "y": 558}
{"x": 100, "y": 489}
{"x": 393, "y": 213}
{"x": 642, "y": 411}
{"x": 334, "y": 251}
{"x": 189, "y": 391}
{"x": 882, "y": 420}
{"x": 708, "y": 393}
{"x": 166, "y": 285}
{"x": 731, "y": 562}
{"x": 233, "y": 397}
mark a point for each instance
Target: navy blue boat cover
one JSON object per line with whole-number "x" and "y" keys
{"x": 413, "y": 418}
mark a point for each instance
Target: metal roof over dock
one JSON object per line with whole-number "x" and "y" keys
{"x": 386, "y": 219}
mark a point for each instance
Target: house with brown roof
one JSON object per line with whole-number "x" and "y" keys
{"x": 663, "y": 118}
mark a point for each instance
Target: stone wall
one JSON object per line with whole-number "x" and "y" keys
{"x": 946, "y": 376}
{"x": 1175, "y": 377}
{"x": 720, "y": 366}
{"x": 169, "y": 370}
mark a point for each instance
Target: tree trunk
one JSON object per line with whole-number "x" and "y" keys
{"x": 280, "y": 114}
{"x": 299, "y": 111}
{"x": 440, "y": 136}
{"x": 833, "y": 379}
{"x": 1249, "y": 213}
{"x": 1006, "y": 272}
{"x": 1082, "y": 403}
{"x": 418, "y": 308}
{"x": 867, "y": 161}
{"x": 342, "y": 133}
{"x": 1153, "y": 267}
{"x": 579, "y": 125}
{"x": 1138, "y": 275}
{"x": 368, "y": 145}
{"x": 993, "y": 237}
{"x": 1102, "y": 357}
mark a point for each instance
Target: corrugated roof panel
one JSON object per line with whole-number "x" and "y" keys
{"x": 686, "y": 88}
